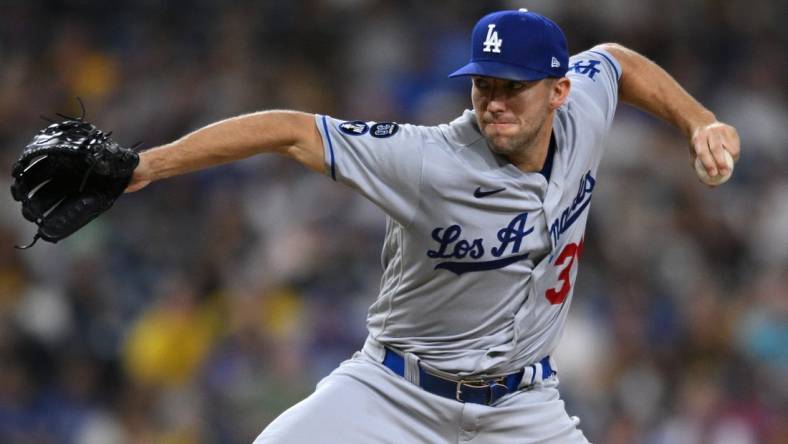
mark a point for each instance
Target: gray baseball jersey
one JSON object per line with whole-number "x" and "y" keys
{"x": 480, "y": 258}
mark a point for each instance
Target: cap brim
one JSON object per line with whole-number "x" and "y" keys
{"x": 499, "y": 70}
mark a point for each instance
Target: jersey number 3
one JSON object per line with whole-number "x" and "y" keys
{"x": 568, "y": 255}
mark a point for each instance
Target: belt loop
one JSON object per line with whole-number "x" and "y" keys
{"x": 528, "y": 377}
{"x": 410, "y": 362}
{"x": 411, "y": 368}
{"x": 538, "y": 373}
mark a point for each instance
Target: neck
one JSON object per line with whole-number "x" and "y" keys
{"x": 532, "y": 155}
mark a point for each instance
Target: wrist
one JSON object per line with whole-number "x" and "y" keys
{"x": 146, "y": 168}
{"x": 699, "y": 120}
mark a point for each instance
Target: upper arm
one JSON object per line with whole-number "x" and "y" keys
{"x": 628, "y": 59}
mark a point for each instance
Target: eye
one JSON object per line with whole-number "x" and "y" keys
{"x": 515, "y": 86}
{"x": 481, "y": 83}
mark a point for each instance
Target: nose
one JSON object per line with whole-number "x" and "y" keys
{"x": 496, "y": 101}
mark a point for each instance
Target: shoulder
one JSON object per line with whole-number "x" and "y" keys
{"x": 594, "y": 63}
{"x": 594, "y": 75}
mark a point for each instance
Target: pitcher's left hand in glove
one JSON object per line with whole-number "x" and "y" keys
{"x": 69, "y": 174}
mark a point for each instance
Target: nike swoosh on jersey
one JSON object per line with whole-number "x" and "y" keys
{"x": 478, "y": 193}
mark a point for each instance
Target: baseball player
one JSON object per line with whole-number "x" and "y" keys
{"x": 485, "y": 224}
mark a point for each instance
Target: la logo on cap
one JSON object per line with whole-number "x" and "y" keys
{"x": 492, "y": 43}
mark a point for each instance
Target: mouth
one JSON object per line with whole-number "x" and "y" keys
{"x": 499, "y": 126}
{"x": 490, "y": 120}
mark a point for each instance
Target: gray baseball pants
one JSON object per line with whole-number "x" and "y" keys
{"x": 363, "y": 402}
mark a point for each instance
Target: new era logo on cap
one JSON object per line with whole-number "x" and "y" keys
{"x": 535, "y": 47}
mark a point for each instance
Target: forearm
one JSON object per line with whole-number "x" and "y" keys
{"x": 284, "y": 132}
{"x": 647, "y": 86}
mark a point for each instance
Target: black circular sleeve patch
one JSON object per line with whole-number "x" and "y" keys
{"x": 383, "y": 129}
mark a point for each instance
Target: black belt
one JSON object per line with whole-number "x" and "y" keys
{"x": 478, "y": 391}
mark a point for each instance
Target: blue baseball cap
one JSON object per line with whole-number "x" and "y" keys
{"x": 516, "y": 45}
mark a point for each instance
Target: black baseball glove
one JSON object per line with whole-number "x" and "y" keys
{"x": 69, "y": 174}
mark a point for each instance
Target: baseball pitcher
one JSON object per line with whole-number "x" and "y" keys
{"x": 484, "y": 235}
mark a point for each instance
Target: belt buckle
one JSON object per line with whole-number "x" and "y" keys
{"x": 479, "y": 383}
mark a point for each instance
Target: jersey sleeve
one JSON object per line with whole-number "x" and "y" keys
{"x": 595, "y": 75}
{"x": 383, "y": 161}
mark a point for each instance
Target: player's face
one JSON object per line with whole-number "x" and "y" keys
{"x": 510, "y": 113}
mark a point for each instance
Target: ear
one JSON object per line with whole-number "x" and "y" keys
{"x": 559, "y": 91}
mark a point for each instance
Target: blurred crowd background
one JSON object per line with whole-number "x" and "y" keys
{"x": 198, "y": 309}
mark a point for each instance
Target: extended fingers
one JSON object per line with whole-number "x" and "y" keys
{"x": 718, "y": 152}
{"x": 701, "y": 144}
